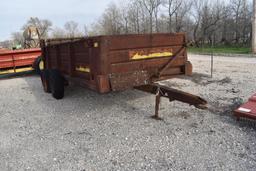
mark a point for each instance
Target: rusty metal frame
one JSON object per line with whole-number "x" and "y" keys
{"x": 172, "y": 95}
{"x": 169, "y": 63}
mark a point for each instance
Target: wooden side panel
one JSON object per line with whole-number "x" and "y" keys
{"x": 118, "y": 56}
{"x": 64, "y": 57}
{"x": 144, "y": 65}
{"x": 52, "y": 53}
{"x": 144, "y": 41}
{"x": 101, "y": 60}
{"x": 131, "y": 56}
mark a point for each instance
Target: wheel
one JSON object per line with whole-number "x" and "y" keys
{"x": 38, "y": 65}
{"x": 45, "y": 80}
{"x": 56, "y": 84}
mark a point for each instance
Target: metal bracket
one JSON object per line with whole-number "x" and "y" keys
{"x": 169, "y": 63}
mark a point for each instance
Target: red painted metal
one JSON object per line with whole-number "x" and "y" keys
{"x": 18, "y": 58}
{"x": 247, "y": 110}
{"x": 3, "y": 50}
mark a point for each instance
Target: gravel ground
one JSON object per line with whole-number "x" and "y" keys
{"x": 88, "y": 131}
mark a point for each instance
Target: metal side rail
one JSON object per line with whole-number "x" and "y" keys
{"x": 172, "y": 95}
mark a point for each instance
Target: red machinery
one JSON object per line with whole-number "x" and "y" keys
{"x": 12, "y": 61}
{"x": 247, "y": 110}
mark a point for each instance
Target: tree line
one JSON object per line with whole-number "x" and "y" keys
{"x": 222, "y": 22}
{"x": 46, "y": 30}
{"x": 205, "y": 21}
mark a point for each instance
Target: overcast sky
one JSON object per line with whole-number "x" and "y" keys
{"x": 15, "y": 13}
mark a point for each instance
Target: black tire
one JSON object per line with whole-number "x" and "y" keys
{"x": 56, "y": 84}
{"x": 45, "y": 77}
{"x": 37, "y": 65}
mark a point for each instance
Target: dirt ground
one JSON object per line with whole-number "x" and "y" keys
{"x": 88, "y": 131}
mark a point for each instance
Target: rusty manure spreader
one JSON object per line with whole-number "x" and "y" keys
{"x": 116, "y": 63}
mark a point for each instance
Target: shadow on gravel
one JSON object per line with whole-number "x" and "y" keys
{"x": 204, "y": 79}
{"x": 217, "y": 107}
{"x": 87, "y": 100}
{"x": 16, "y": 75}
{"x": 92, "y": 99}
{"x": 226, "y": 113}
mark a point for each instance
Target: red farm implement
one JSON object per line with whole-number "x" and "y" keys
{"x": 13, "y": 61}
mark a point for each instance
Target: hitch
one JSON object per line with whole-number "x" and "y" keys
{"x": 172, "y": 95}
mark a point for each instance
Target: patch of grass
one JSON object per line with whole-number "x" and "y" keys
{"x": 221, "y": 50}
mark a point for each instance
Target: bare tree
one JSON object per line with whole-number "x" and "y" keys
{"x": 58, "y": 33}
{"x": 7, "y": 44}
{"x": 72, "y": 30}
{"x": 200, "y": 19}
{"x": 254, "y": 28}
{"x": 236, "y": 6}
{"x": 156, "y": 13}
{"x": 172, "y": 6}
{"x": 134, "y": 13}
{"x": 181, "y": 15}
{"x": 197, "y": 17}
{"x": 86, "y": 31}
{"x": 151, "y": 7}
{"x": 111, "y": 21}
{"x": 204, "y": 21}
{"x": 18, "y": 38}
{"x": 212, "y": 14}
{"x": 42, "y": 25}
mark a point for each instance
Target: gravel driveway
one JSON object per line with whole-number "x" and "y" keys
{"x": 88, "y": 131}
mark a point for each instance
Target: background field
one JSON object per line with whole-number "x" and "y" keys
{"x": 221, "y": 50}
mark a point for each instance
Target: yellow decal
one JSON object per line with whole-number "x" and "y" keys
{"x": 137, "y": 56}
{"x": 41, "y": 65}
{"x": 96, "y": 44}
{"x": 150, "y": 53}
{"x": 11, "y": 71}
{"x": 83, "y": 69}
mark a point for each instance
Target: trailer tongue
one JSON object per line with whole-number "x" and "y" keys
{"x": 172, "y": 95}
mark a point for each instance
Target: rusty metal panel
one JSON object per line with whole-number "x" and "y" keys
{"x": 123, "y": 61}
{"x": 165, "y": 53}
{"x": 103, "y": 83}
{"x": 127, "y": 55}
{"x": 143, "y": 65}
{"x": 129, "y": 80}
{"x": 145, "y": 40}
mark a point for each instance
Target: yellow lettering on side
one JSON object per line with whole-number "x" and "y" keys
{"x": 83, "y": 69}
{"x": 96, "y": 44}
{"x": 19, "y": 70}
{"x": 152, "y": 55}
